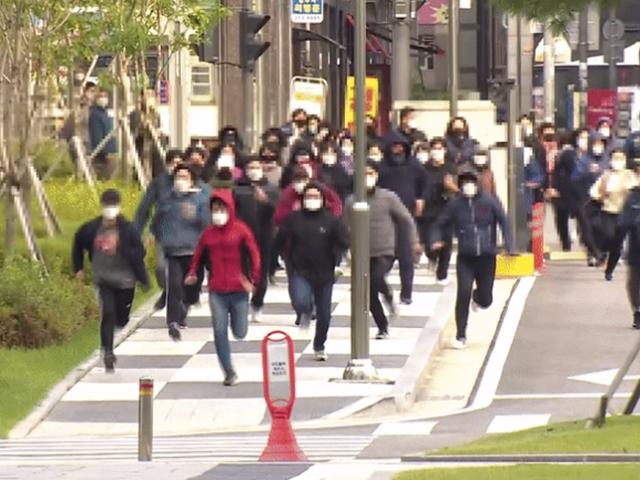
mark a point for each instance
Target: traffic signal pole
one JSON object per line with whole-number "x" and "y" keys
{"x": 247, "y": 88}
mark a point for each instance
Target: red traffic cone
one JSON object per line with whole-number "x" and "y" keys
{"x": 282, "y": 445}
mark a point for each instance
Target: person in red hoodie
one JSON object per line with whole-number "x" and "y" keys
{"x": 234, "y": 271}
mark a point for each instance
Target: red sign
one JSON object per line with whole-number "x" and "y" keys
{"x": 601, "y": 103}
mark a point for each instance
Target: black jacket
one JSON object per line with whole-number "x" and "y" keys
{"x": 629, "y": 224}
{"x": 316, "y": 242}
{"x": 129, "y": 245}
{"x": 435, "y": 194}
{"x": 337, "y": 178}
{"x": 258, "y": 216}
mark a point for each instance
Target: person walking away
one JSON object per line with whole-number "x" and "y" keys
{"x": 474, "y": 216}
{"x": 234, "y": 258}
{"x": 403, "y": 175}
{"x": 388, "y": 218}
{"x": 460, "y": 146}
{"x": 611, "y": 190}
{"x": 439, "y": 188}
{"x": 256, "y": 202}
{"x": 100, "y": 126}
{"x": 316, "y": 241}
{"x": 182, "y": 217}
{"x": 157, "y": 192}
{"x": 117, "y": 255}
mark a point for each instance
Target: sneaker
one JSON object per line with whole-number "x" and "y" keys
{"x": 608, "y": 276}
{"x": 406, "y": 301}
{"x": 443, "y": 282}
{"x": 109, "y": 362}
{"x": 338, "y": 272}
{"x": 475, "y": 307}
{"x": 592, "y": 262}
{"x": 230, "y": 379}
{"x": 161, "y": 302}
{"x": 174, "y": 332}
{"x": 297, "y": 322}
{"x": 320, "y": 356}
{"x": 636, "y": 320}
{"x": 382, "y": 335}
{"x": 459, "y": 344}
{"x": 256, "y": 315}
{"x": 183, "y": 325}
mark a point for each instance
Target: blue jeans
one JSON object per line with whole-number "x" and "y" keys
{"x": 225, "y": 306}
{"x": 304, "y": 293}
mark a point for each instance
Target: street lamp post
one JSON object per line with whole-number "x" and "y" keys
{"x": 454, "y": 23}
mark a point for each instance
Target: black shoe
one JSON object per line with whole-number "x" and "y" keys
{"x": 406, "y": 301}
{"x": 297, "y": 322}
{"x": 230, "y": 379}
{"x": 109, "y": 362}
{"x": 636, "y": 320}
{"x": 182, "y": 325}
{"x": 608, "y": 276}
{"x": 174, "y": 332}
{"x": 161, "y": 302}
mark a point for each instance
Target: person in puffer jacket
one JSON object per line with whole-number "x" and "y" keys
{"x": 234, "y": 272}
{"x": 473, "y": 216}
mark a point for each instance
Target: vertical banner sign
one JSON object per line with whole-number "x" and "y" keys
{"x": 372, "y": 96}
{"x": 307, "y": 11}
{"x": 601, "y": 103}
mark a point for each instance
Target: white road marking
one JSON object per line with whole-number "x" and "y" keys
{"x": 556, "y": 396}
{"x": 603, "y": 377}
{"x": 404, "y": 428}
{"x": 514, "y": 423}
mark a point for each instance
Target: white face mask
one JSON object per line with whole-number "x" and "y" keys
{"x": 226, "y": 161}
{"x": 220, "y": 219}
{"x": 598, "y": 150}
{"x": 423, "y": 157}
{"x": 412, "y": 123}
{"x": 255, "y": 174}
{"x": 329, "y": 159}
{"x": 181, "y": 185}
{"x": 527, "y": 130}
{"x": 605, "y": 132}
{"x": 376, "y": 157}
{"x": 299, "y": 187}
{"x": 480, "y": 160}
{"x": 583, "y": 144}
{"x": 469, "y": 189}
{"x": 371, "y": 181}
{"x": 347, "y": 150}
{"x": 618, "y": 164}
{"x": 110, "y": 213}
{"x": 102, "y": 102}
{"x": 437, "y": 155}
{"x": 312, "y": 204}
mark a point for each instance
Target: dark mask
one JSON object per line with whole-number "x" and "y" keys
{"x": 224, "y": 174}
{"x": 197, "y": 170}
{"x": 371, "y": 131}
{"x": 398, "y": 159}
{"x": 300, "y": 123}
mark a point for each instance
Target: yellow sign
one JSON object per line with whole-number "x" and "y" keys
{"x": 371, "y": 95}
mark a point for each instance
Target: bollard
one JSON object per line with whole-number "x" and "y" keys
{"x": 145, "y": 420}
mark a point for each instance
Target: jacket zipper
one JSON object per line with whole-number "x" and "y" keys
{"x": 475, "y": 227}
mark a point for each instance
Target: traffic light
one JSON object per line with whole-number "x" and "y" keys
{"x": 251, "y": 47}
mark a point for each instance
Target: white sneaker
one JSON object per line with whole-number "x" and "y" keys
{"x": 475, "y": 307}
{"x": 320, "y": 356}
{"x": 256, "y": 315}
{"x": 443, "y": 283}
{"x": 459, "y": 344}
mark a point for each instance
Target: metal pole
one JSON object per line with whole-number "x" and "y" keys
{"x": 400, "y": 61}
{"x": 145, "y": 420}
{"x": 583, "y": 73}
{"x": 514, "y": 183}
{"x": 248, "y": 94}
{"x": 454, "y": 24}
{"x": 549, "y": 75}
{"x": 613, "y": 61}
{"x": 360, "y": 366}
{"x": 518, "y": 108}
{"x": 633, "y": 401}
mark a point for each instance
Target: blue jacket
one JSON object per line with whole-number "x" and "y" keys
{"x": 632, "y": 149}
{"x": 100, "y": 125}
{"x": 629, "y": 224}
{"x": 462, "y": 153}
{"x": 474, "y": 221}
{"x": 158, "y": 191}
{"x": 533, "y": 174}
{"x": 181, "y": 219}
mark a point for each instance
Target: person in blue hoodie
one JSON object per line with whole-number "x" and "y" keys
{"x": 474, "y": 216}
{"x": 181, "y": 218}
{"x": 460, "y": 146}
{"x": 401, "y": 173}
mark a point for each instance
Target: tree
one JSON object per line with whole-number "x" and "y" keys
{"x": 558, "y": 12}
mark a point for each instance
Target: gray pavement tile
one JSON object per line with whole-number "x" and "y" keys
{"x": 90, "y": 412}
{"x": 283, "y": 308}
{"x": 254, "y": 472}
{"x": 400, "y": 322}
{"x": 313, "y": 408}
{"x": 192, "y": 321}
{"x": 191, "y": 390}
{"x": 152, "y": 361}
{"x": 379, "y": 361}
{"x": 253, "y": 346}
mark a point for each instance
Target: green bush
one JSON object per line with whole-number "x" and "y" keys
{"x": 37, "y": 311}
{"x": 49, "y": 152}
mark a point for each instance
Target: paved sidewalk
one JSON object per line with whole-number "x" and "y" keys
{"x": 189, "y": 396}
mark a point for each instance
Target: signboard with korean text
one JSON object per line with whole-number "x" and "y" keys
{"x": 372, "y": 97}
{"x": 308, "y": 93}
{"x": 307, "y": 11}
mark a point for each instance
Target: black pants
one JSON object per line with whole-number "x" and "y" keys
{"x": 610, "y": 239}
{"x": 482, "y": 270}
{"x": 379, "y": 267}
{"x": 257, "y": 299}
{"x": 404, "y": 254}
{"x": 441, "y": 257}
{"x": 562, "y": 215}
{"x": 115, "y": 306}
{"x": 180, "y": 296}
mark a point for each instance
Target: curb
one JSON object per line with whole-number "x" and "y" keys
{"x": 526, "y": 458}
{"x": 40, "y": 412}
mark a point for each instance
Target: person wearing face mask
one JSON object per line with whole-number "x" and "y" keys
{"x": 605, "y": 128}
{"x": 234, "y": 271}
{"x": 375, "y": 151}
{"x": 401, "y": 173}
{"x": 460, "y": 146}
{"x": 372, "y": 130}
{"x": 226, "y": 170}
{"x": 347, "y": 149}
{"x": 256, "y": 202}
{"x": 389, "y": 219}
{"x": 407, "y": 127}
{"x": 331, "y": 172}
{"x": 525, "y": 131}
{"x": 316, "y": 241}
{"x": 421, "y": 153}
{"x": 182, "y": 217}
{"x": 486, "y": 178}
{"x": 157, "y": 192}
{"x": 439, "y": 188}
{"x": 100, "y": 126}
{"x": 474, "y": 217}
{"x": 117, "y": 255}
{"x": 612, "y": 190}
{"x": 313, "y": 126}
{"x": 270, "y": 157}
{"x": 196, "y": 158}
{"x": 301, "y": 155}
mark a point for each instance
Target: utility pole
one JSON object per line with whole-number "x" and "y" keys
{"x": 401, "y": 52}
{"x": 583, "y": 71}
{"x": 549, "y": 75}
{"x": 179, "y": 96}
{"x": 613, "y": 61}
{"x": 454, "y": 27}
{"x": 360, "y": 367}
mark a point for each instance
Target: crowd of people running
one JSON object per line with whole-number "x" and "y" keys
{"x": 235, "y": 214}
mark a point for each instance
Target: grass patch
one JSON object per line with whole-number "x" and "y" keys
{"x": 619, "y": 435}
{"x": 528, "y": 472}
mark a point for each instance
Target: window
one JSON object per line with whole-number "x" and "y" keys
{"x": 202, "y": 87}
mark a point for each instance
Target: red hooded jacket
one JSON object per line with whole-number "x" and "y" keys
{"x": 290, "y": 201}
{"x": 224, "y": 246}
